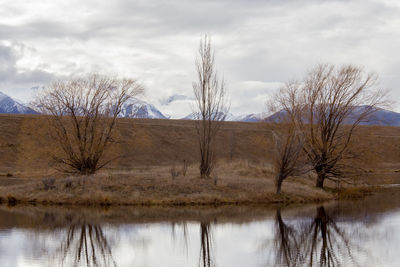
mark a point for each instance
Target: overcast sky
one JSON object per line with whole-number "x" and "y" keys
{"x": 259, "y": 43}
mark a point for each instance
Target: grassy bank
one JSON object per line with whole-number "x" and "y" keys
{"x": 236, "y": 183}
{"x": 146, "y": 150}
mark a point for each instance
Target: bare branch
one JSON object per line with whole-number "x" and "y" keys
{"x": 83, "y": 114}
{"x": 211, "y": 104}
{"x": 326, "y": 109}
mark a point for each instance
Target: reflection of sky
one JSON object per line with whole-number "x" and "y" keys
{"x": 248, "y": 244}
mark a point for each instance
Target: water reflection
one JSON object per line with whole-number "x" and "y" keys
{"x": 86, "y": 244}
{"x": 330, "y": 235}
{"x": 323, "y": 242}
{"x": 318, "y": 241}
{"x": 285, "y": 242}
{"x": 206, "y": 245}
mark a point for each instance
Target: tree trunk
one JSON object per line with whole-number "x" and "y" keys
{"x": 320, "y": 179}
{"x": 205, "y": 169}
{"x": 278, "y": 185}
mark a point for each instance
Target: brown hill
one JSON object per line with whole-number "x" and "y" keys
{"x": 148, "y": 149}
{"x": 25, "y": 146}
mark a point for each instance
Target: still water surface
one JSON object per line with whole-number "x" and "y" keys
{"x": 360, "y": 233}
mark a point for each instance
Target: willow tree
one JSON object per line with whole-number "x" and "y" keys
{"x": 211, "y": 105}
{"x": 326, "y": 108}
{"x": 82, "y": 116}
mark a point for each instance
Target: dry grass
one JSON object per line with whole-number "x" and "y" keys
{"x": 147, "y": 150}
{"x": 237, "y": 184}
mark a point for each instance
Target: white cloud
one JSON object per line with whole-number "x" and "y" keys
{"x": 266, "y": 42}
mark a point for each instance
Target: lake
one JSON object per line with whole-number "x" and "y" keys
{"x": 352, "y": 233}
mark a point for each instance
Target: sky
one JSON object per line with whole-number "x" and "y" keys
{"x": 259, "y": 44}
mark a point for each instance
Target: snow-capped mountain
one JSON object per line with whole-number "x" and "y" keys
{"x": 192, "y": 116}
{"x": 11, "y": 106}
{"x": 136, "y": 108}
{"x": 379, "y": 117}
{"x": 253, "y": 117}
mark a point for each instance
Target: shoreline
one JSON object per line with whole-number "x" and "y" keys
{"x": 237, "y": 183}
{"x": 270, "y": 200}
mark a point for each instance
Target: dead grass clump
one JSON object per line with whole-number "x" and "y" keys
{"x": 48, "y": 184}
{"x": 68, "y": 184}
{"x": 11, "y": 200}
{"x": 174, "y": 172}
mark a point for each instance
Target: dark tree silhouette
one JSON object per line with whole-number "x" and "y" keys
{"x": 88, "y": 246}
{"x": 206, "y": 245}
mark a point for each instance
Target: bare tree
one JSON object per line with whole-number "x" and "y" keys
{"x": 211, "y": 105}
{"x": 288, "y": 159}
{"x": 326, "y": 108}
{"x": 82, "y": 115}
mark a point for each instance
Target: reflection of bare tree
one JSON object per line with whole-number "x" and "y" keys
{"x": 285, "y": 242}
{"x": 87, "y": 245}
{"x": 206, "y": 245}
{"x": 184, "y": 235}
{"x": 316, "y": 242}
{"x": 323, "y": 242}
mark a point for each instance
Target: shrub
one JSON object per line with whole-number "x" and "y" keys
{"x": 174, "y": 172}
{"x": 48, "y": 183}
{"x": 68, "y": 184}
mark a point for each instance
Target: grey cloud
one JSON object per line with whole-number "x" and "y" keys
{"x": 10, "y": 74}
{"x": 35, "y": 30}
{"x": 264, "y": 41}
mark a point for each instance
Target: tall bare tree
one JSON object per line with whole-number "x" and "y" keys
{"x": 326, "y": 108}
{"x": 82, "y": 114}
{"x": 211, "y": 105}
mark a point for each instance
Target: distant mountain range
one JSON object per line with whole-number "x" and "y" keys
{"x": 137, "y": 108}
{"x": 379, "y": 117}
{"x": 191, "y": 116}
{"x": 9, "y": 105}
{"x": 253, "y": 117}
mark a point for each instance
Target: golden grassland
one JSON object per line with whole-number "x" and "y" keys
{"x": 146, "y": 150}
